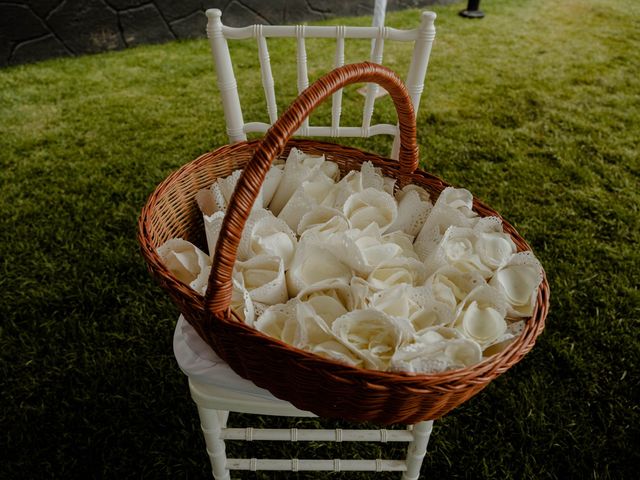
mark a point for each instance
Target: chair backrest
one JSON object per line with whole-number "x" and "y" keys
{"x": 422, "y": 38}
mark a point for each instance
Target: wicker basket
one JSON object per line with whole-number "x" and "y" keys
{"x": 310, "y": 382}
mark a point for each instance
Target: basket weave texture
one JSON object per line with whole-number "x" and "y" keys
{"x": 324, "y": 387}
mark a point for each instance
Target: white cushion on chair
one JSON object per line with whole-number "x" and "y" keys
{"x": 199, "y": 362}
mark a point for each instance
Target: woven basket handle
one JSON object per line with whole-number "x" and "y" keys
{"x": 218, "y": 296}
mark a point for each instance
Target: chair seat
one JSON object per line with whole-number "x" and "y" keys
{"x": 215, "y": 385}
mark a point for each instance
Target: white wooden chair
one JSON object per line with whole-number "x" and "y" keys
{"x": 214, "y": 387}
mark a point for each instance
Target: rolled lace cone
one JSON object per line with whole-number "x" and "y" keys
{"x": 415, "y": 305}
{"x": 481, "y": 315}
{"x": 308, "y": 195}
{"x": 280, "y": 322}
{"x": 187, "y": 263}
{"x": 518, "y": 281}
{"x": 314, "y": 263}
{"x": 330, "y": 298}
{"x": 241, "y": 303}
{"x": 354, "y": 182}
{"x": 265, "y": 234}
{"x": 324, "y": 222}
{"x": 371, "y": 335}
{"x": 298, "y": 168}
{"x": 437, "y": 349}
{"x": 364, "y": 250}
{"x": 413, "y": 211}
{"x": 457, "y": 248}
{"x": 263, "y": 276}
{"x": 453, "y": 208}
{"x": 451, "y": 286}
{"x": 370, "y": 206}
{"x": 271, "y": 183}
{"x": 397, "y": 271}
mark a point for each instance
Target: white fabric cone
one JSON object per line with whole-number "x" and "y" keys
{"x": 280, "y": 321}
{"x": 458, "y": 248}
{"x": 481, "y": 315}
{"x": 323, "y": 221}
{"x": 212, "y": 227}
{"x": 208, "y": 202}
{"x": 361, "y": 291}
{"x": 312, "y": 328}
{"x": 308, "y": 195}
{"x": 436, "y": 350}
{"x": 404, "y": 241}
{"x": 397, "y": 271}
{"x": 518, "y": 281}
{"x": 354, "y": 182}
{"x": 453, "y": 208}
{"x": 338, "y": 290}
{"x": 265, "y": 234}
{"x": 186, "y": 262}
{"x": 314, "y": 263}
{"x": 364, "y": 250}
{"x": 494, "y": 248}
{"x": 263, "y": 277}
{"x": 223, "y": 189}
{"x": 228, "y": 184}
{"x": 412, "y": 213}
{"x": 415, "y": 305}
{"x": 297, "y": 324}
{"x": 372, "y": 336}
{"x": 514, "y": 329}
{"x": 241, "y": 302}
{"x": 270, "y": 184}
{"x": 370, "y": 206}
{"x": 298, "y": 168}
{"x": 412, "y": 187}
{"x": 334, "y": 350}
{"x": 371, "y": 177}
{"x": 451, "y": 286}
{"x": 389, "y": 185}
{"x": 331, "y": 170}
{"x": 347, "y": 186}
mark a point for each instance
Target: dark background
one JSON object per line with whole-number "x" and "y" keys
{"x": 34, "y": 30}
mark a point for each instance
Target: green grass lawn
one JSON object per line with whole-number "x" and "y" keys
{"x": 535, "y": 109}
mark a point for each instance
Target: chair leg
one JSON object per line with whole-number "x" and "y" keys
{"x": 212, "y": 422}
{"x": 417, "y": 449}
{"x": 223, "y": 415}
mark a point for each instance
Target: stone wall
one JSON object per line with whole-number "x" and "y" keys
{"x": 32, "y": 30}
